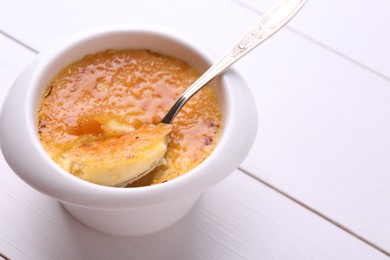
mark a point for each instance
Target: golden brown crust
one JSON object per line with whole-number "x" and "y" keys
{"x": 113, "y": 92}
{"x": 134, "y": 145}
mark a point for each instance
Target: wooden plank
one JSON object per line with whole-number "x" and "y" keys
{"x": 322, "y": 118}
{"x": 40, "y": 24}
{"x": 355, "y": 30}
{"x": 323, "y": 135}
{"x": 13, "y": 58}
{"x": 237, "y": 219}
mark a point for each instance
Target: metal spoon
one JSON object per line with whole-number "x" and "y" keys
{"x": 268, "y": 24}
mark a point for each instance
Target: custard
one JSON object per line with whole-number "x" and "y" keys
{"x": 108, "y": 95}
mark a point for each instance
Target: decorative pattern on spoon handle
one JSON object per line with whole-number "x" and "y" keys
{"x": 270, "y": 22}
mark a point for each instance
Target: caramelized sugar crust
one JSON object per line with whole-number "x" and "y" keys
{"x": 112, "y": 93}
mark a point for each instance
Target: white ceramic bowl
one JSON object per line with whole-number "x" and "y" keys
{"x": 123, "y": 211}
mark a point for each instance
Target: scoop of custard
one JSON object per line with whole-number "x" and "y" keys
{"x": 119, "y": 160}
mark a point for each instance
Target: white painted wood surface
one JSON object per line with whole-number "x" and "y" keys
{"x": 324, "y": 139}
{"x": 238, "y": 219}
{"x": 356, "y": 30}
{"x": 321, "y": 186}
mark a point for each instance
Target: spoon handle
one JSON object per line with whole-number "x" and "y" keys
{"x": 269, "y": 23}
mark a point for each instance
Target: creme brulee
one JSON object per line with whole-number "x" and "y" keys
{"x": 112, "y": 93}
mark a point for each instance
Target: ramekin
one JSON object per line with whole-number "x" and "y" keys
{"x": 123, "y": 211}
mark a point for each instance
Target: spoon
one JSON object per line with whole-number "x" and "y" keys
{"x": 149, "y": 150}
{"x": 269, "y": 23}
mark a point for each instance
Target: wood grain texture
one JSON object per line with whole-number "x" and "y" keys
{"x": 237, "y": 219}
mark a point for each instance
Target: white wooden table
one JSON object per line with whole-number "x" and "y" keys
{"x": 316, "y": 185}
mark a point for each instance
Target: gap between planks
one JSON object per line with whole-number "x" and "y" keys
{"x": 318, "y": 43}
{"x": 316, "y": 212}
{"x": 2, "y": 256}
{"x": 19, "y": 42}
{"x": 339, "y": 225}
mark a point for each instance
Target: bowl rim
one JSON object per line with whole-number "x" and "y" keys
{"x": 85, "y": 194}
